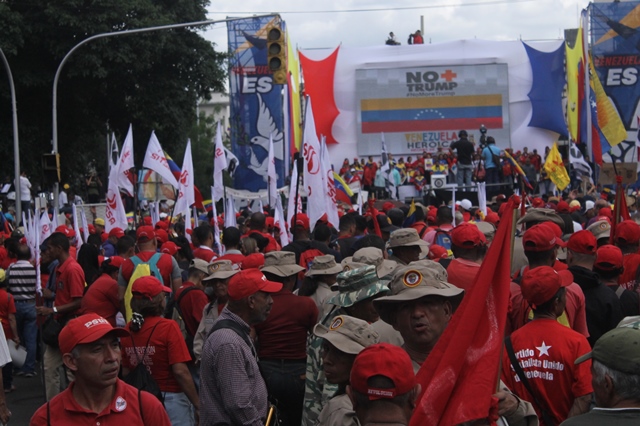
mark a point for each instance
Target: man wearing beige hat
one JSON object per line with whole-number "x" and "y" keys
{"x": 374, "y": 256}
{"x": 406, "y": 245}
{"x": 531, "y": 218}
{"x": 283, "y": 338}
{"x": 343, "y": 339}
{"x": 601, "y": 229}
{"x": 319, "y": 279}
{"x": 357, "y": 289}
{"x": 215, "y": 287}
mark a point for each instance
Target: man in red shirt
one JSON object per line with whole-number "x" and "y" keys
{"x": 69, "y": 279}
{"x": 469, "y": 247}
{"x": 204, "y": 236}
{"x": 546, "y": 351}
{"x": 283, "y": 337}
{"x": 627, "y": 237}
{"x": 257, "y": 223}
{"x": 147, "y": 244}
{"x": 91, "y": 350}
{"x": 190, "y": 297}
{"x": 102, "y": 296}
{"x": 231, "y": 241}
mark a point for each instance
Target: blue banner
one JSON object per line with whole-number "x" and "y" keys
{"x": 256, "y": 103}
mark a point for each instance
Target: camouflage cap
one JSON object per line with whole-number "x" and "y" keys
{"x": 374, "y": 256}
{"x": 348, "y": 334}
{"x": 415, "y": 281}
{"x": 281, "y": 263}
{"x": 600, "y": 229}
{"x": 542, "y": 215}
{"x": 221, "y": 270}
{"x": 357, "y": 285}
{"x": 406, "y": 237}
{"x": 324, "y": 265}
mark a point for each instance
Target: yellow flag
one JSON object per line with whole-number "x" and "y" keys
{"x": 575, "y": 66}
{"x": 608, "y": 119}
{"x": 554, "y": 166}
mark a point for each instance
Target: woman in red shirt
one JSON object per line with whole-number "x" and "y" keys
{"x": 8, "y": 319}
{"x": 158, "y": 343}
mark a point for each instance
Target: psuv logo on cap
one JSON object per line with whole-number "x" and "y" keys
{"x": 412, "y": 279}
{"x": 336, "y": 324}
{"x": 94, "y": 322}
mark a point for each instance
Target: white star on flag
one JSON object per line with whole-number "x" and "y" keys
{"x": 544, "y": 349}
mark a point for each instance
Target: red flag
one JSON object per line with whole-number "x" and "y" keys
{"x": 620, "y": 209}
{"x": 460, "y": 375}
{"x": 374, "y": 215}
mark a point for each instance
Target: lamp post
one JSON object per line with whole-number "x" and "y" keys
{"x": 56, "y": 188}
{"x": 16, "y": 145}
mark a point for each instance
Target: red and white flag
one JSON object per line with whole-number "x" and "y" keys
{"x": 219, "y": 165}
{"x": 186, "y": 194}
{"x": 124, "y": 177}
{"x": 155, "y": 160}
{"x": 115, "y": 215}
{"x": 216, "y": 227}
{"x": 45, "y": 227}
{"x": 272, "y": 176}
{"x": 278, "y": 220}
{"x": 330, "y": 193}
{"x": 76, "y": 227}
{"x": 293, "y": 205}
{"x": 313, "y": 180}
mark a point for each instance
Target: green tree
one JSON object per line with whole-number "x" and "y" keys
{"x": 151, "y": 80}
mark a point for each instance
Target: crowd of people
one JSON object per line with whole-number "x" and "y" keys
{"x": 157, "y": 325}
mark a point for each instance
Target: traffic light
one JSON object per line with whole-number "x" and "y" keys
{"x": 276, "y": 54}
{"x": 51, "y": 167}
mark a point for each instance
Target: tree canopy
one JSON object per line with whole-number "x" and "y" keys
{"x": 152, "y": 80}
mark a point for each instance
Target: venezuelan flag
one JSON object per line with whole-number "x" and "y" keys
{"x": 516, "y": 166}
{"x": 175, "y": 170}
{"x": 411, "y": 215}
{"x": 343, "y": 192}
{"x": 208, "y": 205}
{"x": 427, "y": 114}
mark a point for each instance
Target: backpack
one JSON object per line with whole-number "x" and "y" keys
{"x": 443, "y": 239}
{"x": 494, "y": 157}
{"x": 140, "y": 377}
{"x": 141, "y": 269}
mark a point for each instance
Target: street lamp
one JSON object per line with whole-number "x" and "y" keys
{"x": 113, "y": 34}
{"x": 16, "y": 145}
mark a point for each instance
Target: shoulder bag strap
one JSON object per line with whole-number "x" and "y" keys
{"x": 146, "y": 346}
{"x": 546, "y": 417}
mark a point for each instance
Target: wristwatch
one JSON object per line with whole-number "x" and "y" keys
{"x": 55, "y": 310}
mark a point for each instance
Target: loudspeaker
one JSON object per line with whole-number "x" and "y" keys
{"x": 438, "y": 181}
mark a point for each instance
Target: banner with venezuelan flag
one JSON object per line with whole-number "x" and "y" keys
{"x": 516, "y": 166}
{"x": 343, "y": 192}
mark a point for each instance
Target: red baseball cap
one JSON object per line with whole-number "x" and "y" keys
{"x": 303, "y": 220}
{"x": 161, "y": 224}
{"x": 606, "y": 211}
{"x": 387, "y": 206}
{"x": 162, "y": 235}
{"x": 608, "y": 258}
{"x": 115, "y": 261}
{"x": 92, "y": 229}
{"x": 540, "y": 284}
{"x": 252, "y": 261}
{"x": 627, "y": 232}
{"x": 557, "y": 231}
{"x": 539, "y": 238}
{"x": 383, "y": 359}
{"x": 467, "y": 235}
{"x": 68, "y": 232}
{"x": 147, "y": 220}
{"x": 104, "y": 237}
{"x": 437, "y": 252}
{"x": 145, "y": 233}
{"x": 248, "y": 282}
{"x": 537, "y": 203}
{"x": 86, "y": 329}
{"x": 148, "y": 287}
{"x": 563, "y": 207}
{"x": 582, "y": 242}
{"x": 492, "y": 218}
{"x": 116, "y": 232}
{"x": 169, "y": 247}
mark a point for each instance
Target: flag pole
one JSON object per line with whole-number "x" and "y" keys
{"x": 295, "y": 202}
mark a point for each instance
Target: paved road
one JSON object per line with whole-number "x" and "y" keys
{"x": 25, "y": 400}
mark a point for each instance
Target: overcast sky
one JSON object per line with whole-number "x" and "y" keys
{"x": 460, "y": 19}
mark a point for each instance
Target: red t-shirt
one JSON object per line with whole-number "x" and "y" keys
{"x": 166, "y": 347}
{"x": 574, "y": 316}
{"x": 165, "y": 266}
{"x": 273, "y": 244}
{"x": 7, "y": 307}
{"x": 203, "y": 253}
{"x": 124, "y": 409}
{"x": 630, "y": 263}
{"x": 547, "y": 352}
{"x": 102, "y": 298}
{"x": 462, "y": 273}
{"x": 283, "y": 335}
{"x": 73, "y": 252}
{"x": 235, "y": 258}
{"x": 69, "y": 282}
{"x": 191, "y": 306}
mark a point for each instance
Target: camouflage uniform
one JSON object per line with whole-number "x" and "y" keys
{"x": 354, "y": 286}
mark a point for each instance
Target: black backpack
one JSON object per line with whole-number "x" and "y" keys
{"x": 139, "y": 377}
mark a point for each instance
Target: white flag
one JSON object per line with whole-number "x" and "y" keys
{"x": 293, "y": 205}
{"x": 272, "y": 176}
{"x": 186, "y": 194}
{"x": 155, "y": 160}
{"x": 230, "y": 213}
{"x": 330, "y": 193}
{"x": 313, "y": 181}
{"x": 216, "y": 227}
{"x": 114, "y": 153}
{"x": 278, "y": 220}
{"x": 44, "y": 227}
{"x": 115, "y": 215}
{"x": 85, "y": 225}
{"x": 219, "y": 165}
{"x": 482, "y": 197}
{"x": 125, "y": 164}
{"x": 76, "y": 227}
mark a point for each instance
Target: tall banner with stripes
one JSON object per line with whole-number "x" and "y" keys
{"x": 256, "y": 103}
